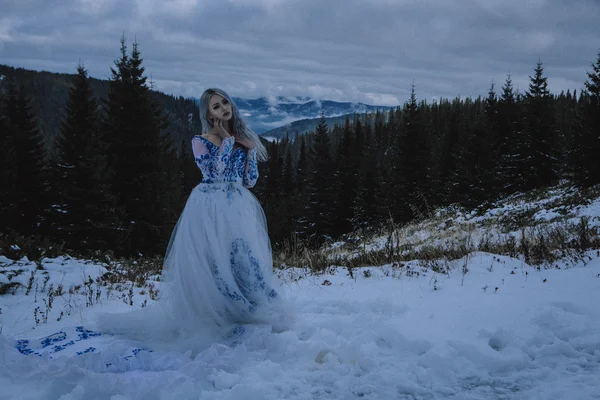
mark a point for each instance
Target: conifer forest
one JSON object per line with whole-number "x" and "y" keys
{"x": 115, "y": 174}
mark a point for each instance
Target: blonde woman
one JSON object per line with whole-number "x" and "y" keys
{"x": 218, "y": 267}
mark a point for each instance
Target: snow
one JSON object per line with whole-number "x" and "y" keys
{"x": 591, "y": 210}
{"x": 502, "y": 330}
{"x": 486, "y": 326}
{"x": 452, "y": 225}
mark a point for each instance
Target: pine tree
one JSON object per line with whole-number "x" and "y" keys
{"x": 9, "y": 196}
{"x": 138, "y": 154}
{"x": 30, "y": 158}
{"x": 376, "y": 156}
{"x": 386, "y": 162}
{"x": 451, "y": 144}
{"x": 491, "y": 137}
{"x": 345, "y": 182}
{"x": 322, "y": 199}
{"x": 510, "y": 140}
{"x": 86, "y": 217}
{"x": 370, "y": 204}
{"x": 361, "y": 208}
{"x": 274, "y": 195}
{"x": 586, "y": 160}
{"x": 539, "y": 154}
{"x": 475, "y": 156}
{"x": 173, "y": 196}
{"x": 397, "y": 181}
{"x": 413, "y": 159}
{"x": 359, "y": 137}
{"x": 566, "y": 113}
{"x": 289, "y": 193}
{"x": 188, "y": 170}
{"x": 304, "y": 189}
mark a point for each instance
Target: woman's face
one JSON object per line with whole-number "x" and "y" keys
{"x": 219, "y": 108}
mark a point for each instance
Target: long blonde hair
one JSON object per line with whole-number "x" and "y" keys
{"x": 238, "y": 125}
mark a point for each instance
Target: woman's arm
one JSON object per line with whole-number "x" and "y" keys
{"x": 251, "y": 169}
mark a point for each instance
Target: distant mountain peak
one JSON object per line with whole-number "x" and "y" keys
{"x": 267, "y": 113}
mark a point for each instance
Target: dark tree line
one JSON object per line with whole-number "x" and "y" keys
{"x": 48, "y": 92}
{"x": 404, "y": 163}
{"x": 115, "y": 179}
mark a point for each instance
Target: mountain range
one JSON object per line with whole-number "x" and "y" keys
{"x": 270, "y": 117}
{"x": 274, "y": 117}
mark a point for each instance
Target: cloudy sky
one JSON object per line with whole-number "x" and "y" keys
{"x": 346, "y": 50}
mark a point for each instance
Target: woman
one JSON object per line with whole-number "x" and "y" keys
{"x": 218, "y": 272}
{"x": 218, "y": 266}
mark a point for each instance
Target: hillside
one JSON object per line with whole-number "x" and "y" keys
{"x": 303, "y": 126}
{"x": 442, "y": 318}
{"x": 48, "y": 93}
{"x": 276, "y": 116}
{"x": 541, "y": 227}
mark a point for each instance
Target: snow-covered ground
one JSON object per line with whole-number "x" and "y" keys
{"x": 502, "y": 330}
{"x": 561, "y": 206}
{"x": 486, "y": 326}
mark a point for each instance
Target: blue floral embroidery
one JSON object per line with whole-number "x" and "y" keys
{"x": 135, "y": 353}
{"x": 232, "y": 294}
{"x": 61, "y": 347}
{"x": 53, "y": 340}
{"x": 86, "y": 334}
{"x": 53, "y": 343}
{"x": 250, "y": 285}
{"x": 245, "y": 269}
{"x": 229, "y": 188}
{"x": 22, "y": 347}
{"x": 238, "y": 330}
{"x": 88, "y": 350}
{"x": 224, "y": 164}
{"x": 248, "y": 274}
{"x": 55, "y": 337}
{"x": 213, "y": 163}
{"x": 237, "y": 163}
{"x": 237, "y": 335}
{"x": 251, "y": 169}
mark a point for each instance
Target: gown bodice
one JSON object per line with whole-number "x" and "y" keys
{"x": 224, "y": 163}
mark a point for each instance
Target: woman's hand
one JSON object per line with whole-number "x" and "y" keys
{"x": 220, "y": 128}
{"x": 245, "y": 141}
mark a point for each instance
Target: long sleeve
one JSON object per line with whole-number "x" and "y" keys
{"x": 251, "y": 169}
{"x": 212, "y": 160}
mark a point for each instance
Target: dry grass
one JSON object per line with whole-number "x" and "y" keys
{"x": 445, "y": 235}
{"x": 138, "y": 270}
{"x": 436, "y": 241}
{"x": 9, "y": 287}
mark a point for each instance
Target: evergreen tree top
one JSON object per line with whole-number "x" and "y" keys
{"x": 322, "y": 126}
{"x": 592, "y": 85}
{"x": 538, "y": 85}
{"x": 508, "y": 92}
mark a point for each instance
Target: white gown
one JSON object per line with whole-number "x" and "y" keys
{"x": 218, "y": 292}
{"x": 218, "y": 269}
{"x": 218, "y": 263}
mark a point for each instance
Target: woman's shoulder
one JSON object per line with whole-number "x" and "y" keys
{"x": 205, "y": 136}
{"x": 210, "y": 138}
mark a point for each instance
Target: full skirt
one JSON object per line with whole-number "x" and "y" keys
{"x": 218, "y": 265}
{"x": 217, "y": 274}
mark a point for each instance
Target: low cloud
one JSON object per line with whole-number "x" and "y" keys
{"x": 369, "y": 51}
